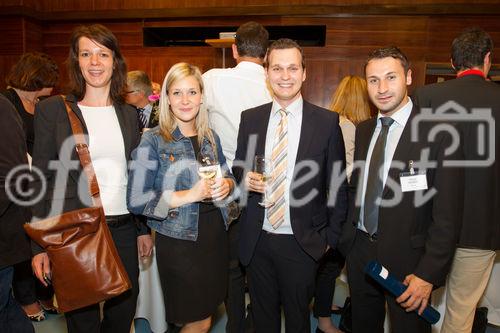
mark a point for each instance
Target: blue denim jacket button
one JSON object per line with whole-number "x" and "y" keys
{"x": 173, "y": 213}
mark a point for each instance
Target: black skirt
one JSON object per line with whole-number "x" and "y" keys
{"x": 193, "y": 275}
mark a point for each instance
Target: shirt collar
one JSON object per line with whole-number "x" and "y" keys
{"x": 177, "y": 134}
{"x": 293, "y": 109}
{"x": 250, "y": 65}
{"x": 401, "y": 116}
{"x": 471, "y": 71}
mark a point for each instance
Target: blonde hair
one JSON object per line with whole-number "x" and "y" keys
{"x": 351, "y": 99}
{"x": 167, "y": 120}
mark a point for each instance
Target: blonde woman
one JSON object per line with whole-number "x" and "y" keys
{"x": 191, "y": 240}
{"x": 350, "y": 101}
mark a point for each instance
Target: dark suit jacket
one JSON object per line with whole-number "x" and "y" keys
{"x": 481, "y": 205}
{"x": 14, "y": 245}
{"x": 52, "y": 128}
{"x": 314, "y": 225}
{"x": 411, "y": 238}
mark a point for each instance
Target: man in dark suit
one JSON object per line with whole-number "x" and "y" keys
{"x": 404, "y": 213}
{"x": 139, "y": 88}
{"x": 479, "y": 235}
{"x": 282, "y": 243}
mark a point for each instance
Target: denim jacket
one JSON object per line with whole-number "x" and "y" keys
{"x": 159, "y": 168}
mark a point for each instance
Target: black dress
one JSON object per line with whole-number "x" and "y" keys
{"x": 193, "y": 275}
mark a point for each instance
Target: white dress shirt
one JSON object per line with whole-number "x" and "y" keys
{"x": 400, "y": 118}
{"x": 294, "y": 126}
{"x": 228, "y": 92}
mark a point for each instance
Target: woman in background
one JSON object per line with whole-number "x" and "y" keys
{"x": 32, "y": 77}
{"x": 97, "y": 75}
{"x": 191, "y": 239}
{"x": 350, "y": 101}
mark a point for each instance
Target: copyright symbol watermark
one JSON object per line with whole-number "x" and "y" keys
{"x": 18, "y": 192}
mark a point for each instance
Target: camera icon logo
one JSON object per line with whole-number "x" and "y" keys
{"x": 482, "y": 131}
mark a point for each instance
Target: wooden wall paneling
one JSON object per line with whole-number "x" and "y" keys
{"x": 212, "y": 21}
{"x": 11, "y": 30}
{"x": 67, "y": 5}
{"x": 368, "y": 23}
{"x": 439, "y": 44}
{"x": 12, "y": 46}
{"x": 323, "y": 77}
{"x": 33, "y": 36}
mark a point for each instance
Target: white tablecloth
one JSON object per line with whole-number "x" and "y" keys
{"x": 150, "y": 304}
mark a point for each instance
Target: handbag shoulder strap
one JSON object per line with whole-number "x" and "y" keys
{"x": 83, "y": 154}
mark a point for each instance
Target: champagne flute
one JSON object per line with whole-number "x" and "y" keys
{"x": 264, "y": 166}
{"x": 207, "y": 168}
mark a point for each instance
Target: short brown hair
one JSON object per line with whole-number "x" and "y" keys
{"x": 392, "y": 52}
{"x": 101, "y": 35}
{"x": 470, "y": 47}
{"x": 252, "y": 40}
{"x": 34, "y": 71}
{"x": 285, "y": 43}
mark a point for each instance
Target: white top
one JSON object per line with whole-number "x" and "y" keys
{"x": 228, "y": 92}
{"x": 107, "y": 151}
{"x": 294, "y": 126}
{"x": 400, "y": 118}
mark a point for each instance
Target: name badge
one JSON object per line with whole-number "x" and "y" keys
{"x": 413, "y": 181}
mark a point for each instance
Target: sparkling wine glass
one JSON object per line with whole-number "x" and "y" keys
{"x": 207, "y": 168}
{"x": 263, "y": 166}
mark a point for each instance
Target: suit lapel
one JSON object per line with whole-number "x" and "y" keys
{"x": 402, "y": 153}
{"x": 76, "y": 110}
{"x": 364, "y": 135}
{"x": 306, "y": 131}
{"x": 262, "y": 123}
{"x": 124, "y": 127}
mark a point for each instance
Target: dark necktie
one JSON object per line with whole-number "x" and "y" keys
{"x": 374, "y": 183}
{"x": 143, "y": 121}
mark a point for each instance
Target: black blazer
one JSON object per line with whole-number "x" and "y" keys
{"x": 14, "y": 245}
{"x": 52, "y": 128}
{"x": 481, "y": 204}
{"x": 412, "y": 238}
{"x": 315, "y": 224}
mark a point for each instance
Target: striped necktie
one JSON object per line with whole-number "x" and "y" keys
{"x": 142, "y": 118}
{"x": 276, "y": 213}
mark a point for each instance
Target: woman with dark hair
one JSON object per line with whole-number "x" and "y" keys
{"x": 97, "y": 73}
{"x": 32, "y": 77}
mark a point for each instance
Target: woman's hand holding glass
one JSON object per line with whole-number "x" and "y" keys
{"x": 221, "y": 188}
{"x": 201, "y": 191}
{"x": 209, "y": 172}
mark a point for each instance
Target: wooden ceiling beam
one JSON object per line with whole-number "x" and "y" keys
{"x": 256, "y": 10}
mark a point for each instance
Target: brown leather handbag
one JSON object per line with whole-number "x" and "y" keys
{"x": 86, "y": 268}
